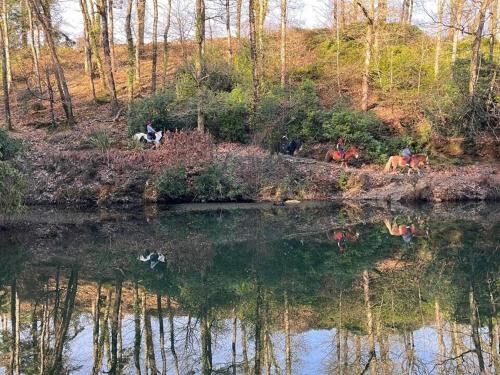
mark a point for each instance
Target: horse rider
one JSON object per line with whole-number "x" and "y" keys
{"x": 407, "y": 154}
{"x": 150, "y": 130}
{"x": 341, "y": 148}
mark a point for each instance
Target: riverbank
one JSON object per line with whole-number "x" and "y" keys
{"x": 93, "y": 178}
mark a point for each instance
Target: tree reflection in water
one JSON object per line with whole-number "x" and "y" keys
{"x": 260, "y": 291}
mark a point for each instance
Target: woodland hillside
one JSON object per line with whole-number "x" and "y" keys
{"x": 372, "y": 77}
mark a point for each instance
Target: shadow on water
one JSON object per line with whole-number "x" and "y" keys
{"x": 312, "y": 289}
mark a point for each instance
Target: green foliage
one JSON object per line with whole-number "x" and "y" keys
{"x": 100, "y": 139}
{"x": 363, "y": 131}
{"x": 172, "y": 185}
{"x": 227, "y": 116}
{"x": 12, "y": 188}
{"x": 164, "y": 109}
{"x": 216, "y": 183}
{"x": 8, "y": 145}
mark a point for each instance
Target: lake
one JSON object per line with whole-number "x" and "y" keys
{"x": 319, "y": 288}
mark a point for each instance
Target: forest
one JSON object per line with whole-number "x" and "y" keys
{"x": 231, "y": 79}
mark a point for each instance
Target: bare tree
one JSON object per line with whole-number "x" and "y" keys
{"x": 253, "y": 57}
{"x": 457, "y": 14}
{"x": 439, "y": 36}
{"x": 34, "y": 53}
{"x": 137, "y": 330}
{"x": 43, "y": 15}
{"x": 476, "y": 48}
{"x": 493, "y": 27}
{"x": 200, "y": 63}
{"x": 115, "y": 326}
{"x": 239, "y": 4}
{"x": 139, "y": 50}
{"x": 5, "y": 83}
{"x": 88, "y": 48}
{"x": 168, "y": 16}
{"x": 111, "y": 32}
{"x": 283, "y": 42}
{"x": 130, "y": 52}
{"x": 228, "y": 31}
{"x": 154, "y": 53}
{"x": 365, "y": 86}
{"x": 102, "y": 8}
{"x": 6, "y": 42}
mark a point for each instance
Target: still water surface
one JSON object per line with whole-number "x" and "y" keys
{"x": 315, "y": 289}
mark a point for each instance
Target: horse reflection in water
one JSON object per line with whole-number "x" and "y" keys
{"x": 343, "y": 237}
{"x": 406, "y": 231}
{"x": 154, "y": 258}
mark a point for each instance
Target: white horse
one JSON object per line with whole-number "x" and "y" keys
{"x": 143, "y": 137}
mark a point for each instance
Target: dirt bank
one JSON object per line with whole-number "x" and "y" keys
{"x": 89, "y": 177}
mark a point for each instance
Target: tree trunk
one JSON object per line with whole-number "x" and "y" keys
{"x": 103, "y": 11}
{"x": 162, "y": 335}
{"x": 50, "y": 91}
{"x": 44, "y": 20}
{"x": 6, "y": 42}
{"x": 458, "y": 10}
{"x": 154, "y": 53}
{"x": 115, "y": 317}
{"x": 13, "y": 323}
{"x": 239, "y": 4}
{"x": 476, "y": 49}
{"x": 253, "y": 57}
{"x": 474, "y": 322}
{"x": 88, "y": 48}
{"x": 283, "y": 42}
{"x": 439, "y": 37}
{"x": 111, "y": 32}
{"x": 34, "y": 52}
{"x": 200, "y": 68}
{"x": 206, "y": 344}
{"x": 288, "y": 341}
{"x": 5, "y": 83}
{"x": 365, "y": 86}
{"x": 233, "y": 343}
{"x": 246, "y": 365}
{"x": 369, "y": 322}
{"x": 139, "y": 51}
{"x": 165, "y": 40}
{"x": 337, "y": 39}
{"x": 148, "y": 337}
{"x": 95, "y": 332}
{"x": 258, "y": 327}
{"x": 493, "y": 28}
{"x": 130, "y": 53}
{"x": 228, "y": 31}
{"x": 172, "y": 335}
{"x": 63, "y": 324}
{"x": 439, "y": 328}
{"x": 137, "y": 330}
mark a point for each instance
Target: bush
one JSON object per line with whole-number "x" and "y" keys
{"x": 227, "y": 116}
{"x": 363, "y": 131}
{"x": 8, "y": 145}
{"x": 164, "y": 110}
{"x": 100, "y": 139}
{"x": 12, "y": 188}
{"x": 215, "y": 184}
{"x": 172, "y": 185}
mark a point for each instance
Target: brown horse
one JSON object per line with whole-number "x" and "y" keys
{"x": 416, "y": 161}
{"x": 335, "y": 155}
{"x": 407, "y": 232}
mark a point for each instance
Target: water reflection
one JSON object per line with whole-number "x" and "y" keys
{"x": 255, "y": 291}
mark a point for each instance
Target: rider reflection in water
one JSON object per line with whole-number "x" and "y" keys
{"x": 150, "y": 130}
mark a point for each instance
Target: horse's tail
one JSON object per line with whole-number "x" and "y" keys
{"x": 328, "y": 157}
{"x": 388, "y": 165}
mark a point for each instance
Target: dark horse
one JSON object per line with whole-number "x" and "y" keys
{"x": 290, "y": 148}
